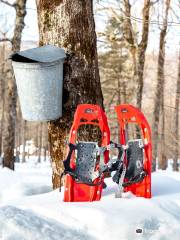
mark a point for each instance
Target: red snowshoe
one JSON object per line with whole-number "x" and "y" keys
{"x": 136, "y": 176}
{"x": 86, "y": 161}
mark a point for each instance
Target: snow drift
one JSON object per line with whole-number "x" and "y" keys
{"x": 29, "y": 209}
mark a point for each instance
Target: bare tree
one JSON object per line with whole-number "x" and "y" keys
{"x": 24, "y": 127}
{"x": 162, "y": 163}
{"x": 11, "y": 92}
{"x": 137, "y": 50}
{"x": 70, "y": 25}
{"x": 2, "y": 92}
{"x": 115, "y": 71}
{"x": 44, "y": 141}
{"x": 176, "y": 119}
{"x": 40, "y": 131}
{"x": 18, "y": 132}
{"x": 160, "y": 84}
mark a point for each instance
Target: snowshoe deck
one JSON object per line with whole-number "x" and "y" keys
{"x": 86, "y": 162}
{"x": 135, "y": 158}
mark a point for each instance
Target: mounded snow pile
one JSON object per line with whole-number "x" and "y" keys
{"x": 28, "y": 179}
{"x": 25, "y": 216}
{"x": 18, "y": 224}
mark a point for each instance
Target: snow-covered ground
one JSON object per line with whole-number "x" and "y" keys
{"x": 30, "y": 210}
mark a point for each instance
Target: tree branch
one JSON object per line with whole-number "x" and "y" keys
{"x": 153, "y": 3}
{"x": 7, "y": 3}
{"x": 5, "y": 40}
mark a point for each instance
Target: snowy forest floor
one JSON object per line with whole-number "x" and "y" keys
{"x": 30, "y": 210}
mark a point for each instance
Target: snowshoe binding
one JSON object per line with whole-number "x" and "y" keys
{"x": 134, "y": 173}
{"x": 85, "y": 162}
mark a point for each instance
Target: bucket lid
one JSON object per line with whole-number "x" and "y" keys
{"x": 44, "y": 54}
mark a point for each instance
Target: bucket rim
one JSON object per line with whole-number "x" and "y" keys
{"x": 44, "y": 54}
{"x": 41, "y": 119}
{"x": 35, "y": 65}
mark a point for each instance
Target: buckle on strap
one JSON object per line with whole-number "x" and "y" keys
{"x": 113, "y": 145}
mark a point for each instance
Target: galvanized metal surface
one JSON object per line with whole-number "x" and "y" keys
{"x": 44, "y": 54}
{"x": 39, "y": 86}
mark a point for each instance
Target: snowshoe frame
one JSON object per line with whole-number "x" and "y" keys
{"x": 130, "y": 114}
{"x": 73, "y": 190}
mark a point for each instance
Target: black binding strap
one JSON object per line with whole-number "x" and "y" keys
{"x": 64, "y": 173}
{"x": 71, "y": 172}
{"x": 118, "y": 167}
{"x": 75, "y": 177}
{"x": 138, "y": 178}
{"x": 66, "y": 162}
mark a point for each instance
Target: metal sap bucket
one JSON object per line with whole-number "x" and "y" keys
{"x": 39, "y": 79}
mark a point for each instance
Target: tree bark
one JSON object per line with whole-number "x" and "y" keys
{"x": 160, "y": 85}
{"x": 137, "y": 50}
{"x": 24, "y": 124}
{"x": 70, "y": 25}
{"x": 2, "y": 94}
{"x": 162, "y": 163}
{"x": 176, "y": 118}
{"x": 18, "y": 137}
{"x": 40, "y": 141}
{"x": 142, "y": 46}
{"x": 11, "y": 92}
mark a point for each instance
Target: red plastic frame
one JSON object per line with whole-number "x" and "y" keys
{"x": 79, "y": 192}
{"x": 129, "y": 114}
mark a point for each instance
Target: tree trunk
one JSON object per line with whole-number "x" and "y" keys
{"x": 40, "y": 141}
{"x": 141, "y": 52}
{"x": 160, "y": 85}
{"x": 18, "y": 128}
{"x": 11, "y": 92}
{"x": 176, "y": 118}
{"x": 45, "y": 153}
{"x": 24, "y": 140}
{"x": 44, "y": 141}
{"x": 70, "y": 25}
{"x": 162, "y": 163}
{"x": 137, "y": 50}
{"x": 2, "y": 94}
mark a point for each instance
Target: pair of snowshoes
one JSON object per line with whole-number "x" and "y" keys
{"x": 87, "y": 162}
